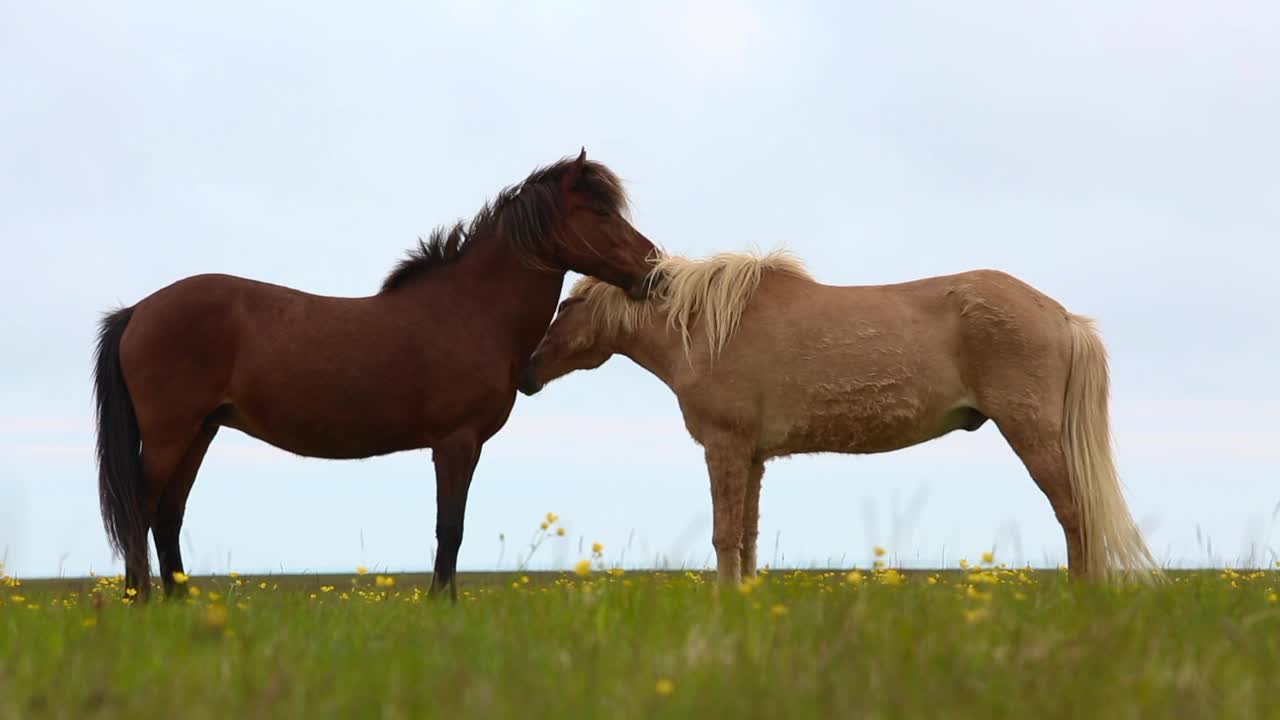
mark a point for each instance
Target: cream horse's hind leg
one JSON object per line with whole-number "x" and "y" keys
{"x": 1040, "y": 449}
{"x": 729, "y": 465}
{"x": 751, "y": 519}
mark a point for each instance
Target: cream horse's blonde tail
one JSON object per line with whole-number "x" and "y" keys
{"x": 1112, "y": 543}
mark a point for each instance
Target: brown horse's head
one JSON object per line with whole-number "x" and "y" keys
{"x": 594, "y": 236}
{"x": 581, "y": 337}
{"x": 570, "y": 215}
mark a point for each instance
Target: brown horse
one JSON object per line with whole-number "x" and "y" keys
{"x": 431, "y": 361}
{"x": 766, "y": 362}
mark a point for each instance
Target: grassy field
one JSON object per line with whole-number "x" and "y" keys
{"x": 982, "y": 642}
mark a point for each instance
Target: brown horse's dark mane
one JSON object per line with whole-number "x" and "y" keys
{"x": 524, "y": 213}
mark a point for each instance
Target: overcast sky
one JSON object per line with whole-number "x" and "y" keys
{"x": 1122, "y": 157}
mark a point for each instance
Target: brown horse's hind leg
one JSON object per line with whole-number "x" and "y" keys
{"x": 751, "y": 519}
{"x": 729, "y": 466}
{"x": 455, "y": 462}
{"x": 1040, "y": 450}
{"x": 137, "y": 584}
{"x": 172, "y": 507}
{"x": 163, "y": 452}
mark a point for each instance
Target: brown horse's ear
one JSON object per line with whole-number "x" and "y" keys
{"x": 575, "y": 172}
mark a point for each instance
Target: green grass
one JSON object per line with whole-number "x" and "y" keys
{"x": 806, "y": 644}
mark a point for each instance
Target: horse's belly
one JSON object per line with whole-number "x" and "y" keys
{"x": 331, "y": 437}
{"x": 855, "y": 421}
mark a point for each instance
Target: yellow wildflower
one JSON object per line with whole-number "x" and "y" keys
{"x": 891, "y": 577}
{"x": 543, "y": 525}
{"x": 854, "y": 577}
{"x": 596, "y": 548}
{"x": 18, "y": 599}
{"x": 778, "y": 610}
{"x": 933, "y": 580}
{"x": 1272, "y": 597}
{"x": 964, "y": 564}
{"x": 180, "y": 577}
{"x": 552, "y": 517}
{"x": 215, "y": 616}
{"x": 214, "y": 597}
{"x": 384, "y": 581}
{"x": 977, "y": 614}
{"x": 988, "y": 558}
{"x": 524, "y": 579}
{"x": 560, "y": 531}
{"x": 879, "y": 551}
{"x": 616, "y": 572}
{"x": 664, "y": 686}
{"x": 131, "y": 592}
{"x": 583, "y": 568}
{"x": 89, "y": 622}
{"x": 262, "y": 585}
{"x": 194, "y": 591}
{"x": 362, "y": 570}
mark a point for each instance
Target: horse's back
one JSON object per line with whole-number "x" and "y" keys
{"x": 316, "y": 375}
{"x": 200, "y": 319}
{"x": 877, "y": 368}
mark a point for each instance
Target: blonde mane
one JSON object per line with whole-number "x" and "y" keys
{"x": 715, "y": 289}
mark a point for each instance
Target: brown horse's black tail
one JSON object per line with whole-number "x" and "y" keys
{"x": 119, "y": 450}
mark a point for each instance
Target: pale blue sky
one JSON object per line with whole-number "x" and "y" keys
{"x": 1123, "y": 157}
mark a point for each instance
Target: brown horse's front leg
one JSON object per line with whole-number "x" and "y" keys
{"x": 455, "y": 462}
{"x": 728, "y": 464}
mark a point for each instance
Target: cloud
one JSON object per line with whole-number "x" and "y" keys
{"x": 714, "y": 37}
{"x": 1181, "y": 445}
{"x": 45, "y": 423}
{"x": 601, "y": 437}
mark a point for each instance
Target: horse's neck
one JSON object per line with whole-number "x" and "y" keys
{"x": 655, "y": 348}
{"x": 514, "y": 301}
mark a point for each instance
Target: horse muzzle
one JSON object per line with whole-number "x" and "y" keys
{"x": 644, "y": 287}
{"x": 528, "y": 383}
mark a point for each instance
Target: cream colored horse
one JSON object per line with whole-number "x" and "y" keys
{"x": 767, "y": 362}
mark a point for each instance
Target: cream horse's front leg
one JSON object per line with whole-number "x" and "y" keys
{"x": 751, "y": 519}
{"x": 729, "y": 465}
